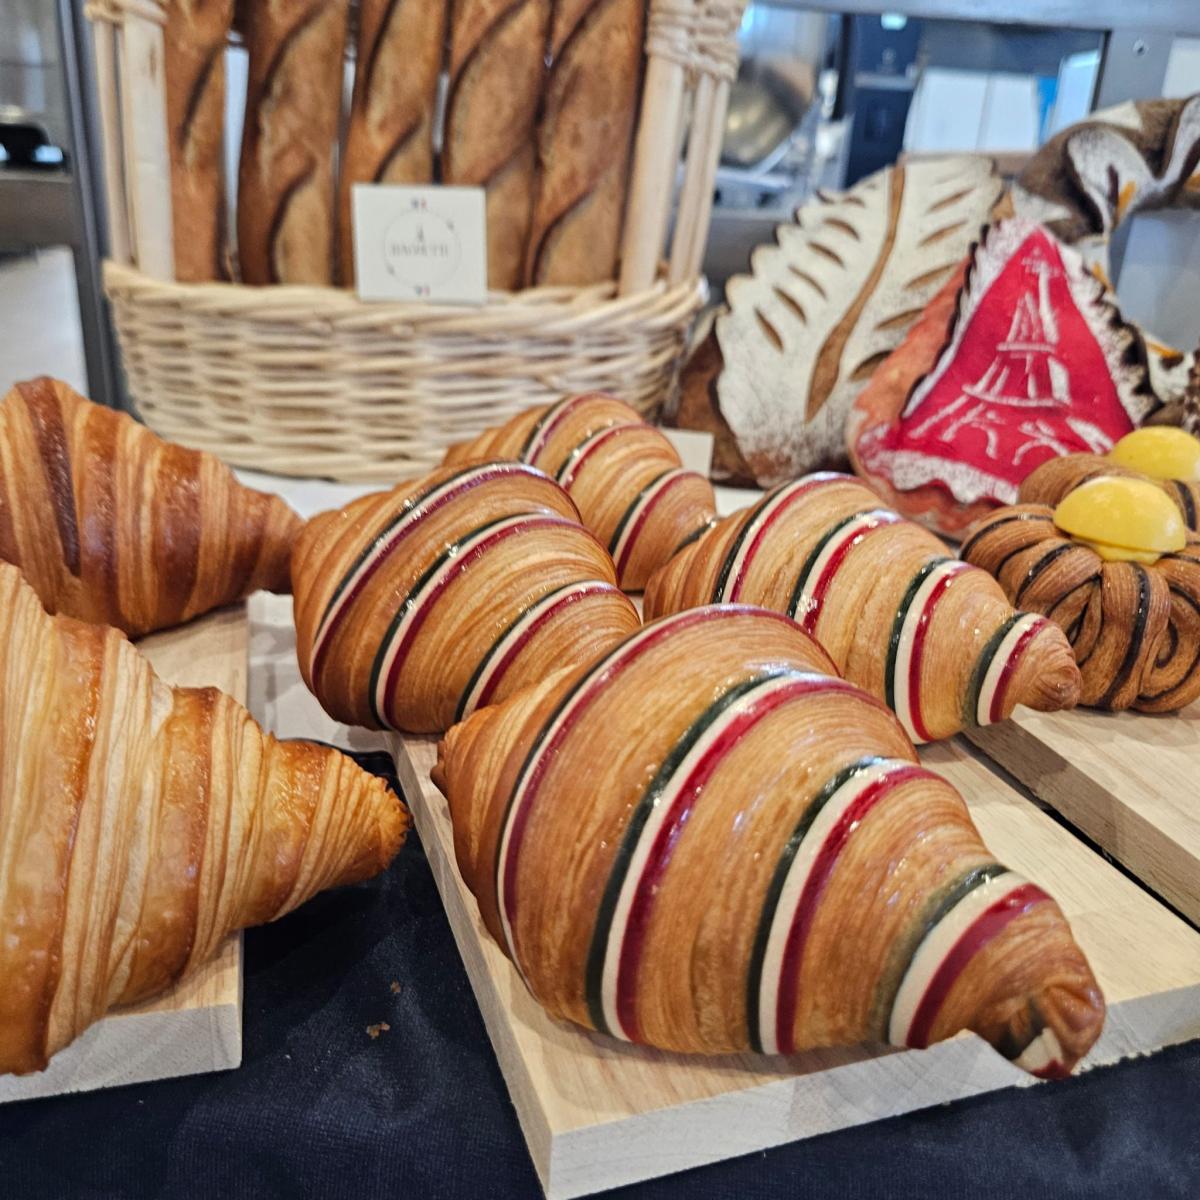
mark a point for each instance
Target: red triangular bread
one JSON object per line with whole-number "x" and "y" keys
{"x": 1021, "y": 359}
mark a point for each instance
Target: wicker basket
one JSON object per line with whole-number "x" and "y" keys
{"x": 312, "y": 381}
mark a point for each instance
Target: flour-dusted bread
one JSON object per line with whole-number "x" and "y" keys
{"x": 497, "y": 65}
{"x": 829, "y": 300}
{"x": 390, "y": 134}
{"x": 293, "y": 102}
{"x": 194, "y": 37}
{"x": 583, "y": 140}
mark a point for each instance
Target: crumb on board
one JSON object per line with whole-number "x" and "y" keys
{"x": 373, "y": 1031}
{"x": 395, "y": 987}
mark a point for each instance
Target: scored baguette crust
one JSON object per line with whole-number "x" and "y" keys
{"x": 583, "y": 141}
{"x": 293, "y": 102}
{"x": 934, "y": 638}
{"x": 748, "y": 856}
{"x": 140, "y": 825}
{"x": 624, "y": 476}
{"x": 194, "y": 40}
{"x": 416, "y": 606}
{"x": 497, "y": 64}
{"x": 111, "y": 524}
{"x": 390, "y": 134}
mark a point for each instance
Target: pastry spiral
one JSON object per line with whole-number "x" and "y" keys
{"x": 1058, "y": 477}
{"x": 140, "y": 825}
{"x": 1135, "y": 628}
{"x": 749, "y": 856}
{"x": 111, "y": 524}
{"x": 898, "y": 615}
{"x": 416, "y": 606}
{"x": 625, "y": 477}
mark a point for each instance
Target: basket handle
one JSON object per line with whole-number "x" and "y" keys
{"x": 130, "y": 76}
{"x": 690, "y": 44}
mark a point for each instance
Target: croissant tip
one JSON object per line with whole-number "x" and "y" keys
{"x": 1058, "y": 683}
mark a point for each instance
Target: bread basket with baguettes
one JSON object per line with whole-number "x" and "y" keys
{"x": 240, "y": 331}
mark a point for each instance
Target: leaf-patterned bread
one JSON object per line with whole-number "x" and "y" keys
{"x": 624, "y": 476}
{"x": 140, "y": 825}
{"x": 749, "y": 856}
{"x": 416, "y": 606}
{"x": 899, "y": 617}
{"x": 111, "y": 524}
{"x": 1135, "y": 628}
{"x": 826, "y": 303}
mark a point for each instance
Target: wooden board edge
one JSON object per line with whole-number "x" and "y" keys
{"x": 1151, "y": 854}
{"x": 532, "y": 1116}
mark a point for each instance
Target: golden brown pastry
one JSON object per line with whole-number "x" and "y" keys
{"x": 583, "y": 140}
{"x": 898, "y": 615}
{"x": 1134, "y": 627}
{"x": 1058, "y": 477}
{"x": 416, "y": 606}
{"x": 194, "y": 39}
{"x": 111, "y": 524}
{"x": 625, "y": 477}
{"x": 140, "y": 825}
{"x": 390, "y": 134}
{"x": 749, "y": 856}
{"x": 497, "y": 63}
{"x": 293, "y": 102}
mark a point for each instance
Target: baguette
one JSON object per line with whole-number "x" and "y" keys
{"x": 497, "y": 63}
{"x": 390, "y": 137}
{"x": 285, "y": 181}
{"x": 583, "y": 141}
{"x": 194, "y": 53}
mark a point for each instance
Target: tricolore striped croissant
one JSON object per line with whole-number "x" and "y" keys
{"x": 625, "y": 477}
{"x": 140, "y": 825}
{"x": 898, "y": 615}
{"x": 416, "y": 606}
{"x": 747, "y": 855}
{"x": 111, "y": 524}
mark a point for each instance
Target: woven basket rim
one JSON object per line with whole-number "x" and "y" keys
{"x": 529, "y": 313}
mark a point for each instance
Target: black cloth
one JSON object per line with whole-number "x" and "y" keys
{"x": 321, "y": 1109}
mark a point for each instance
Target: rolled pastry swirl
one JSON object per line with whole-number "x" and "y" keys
{"x": 418, "y": 605}
{"x": 749, "y": 856}
{"x": 1135, "y": 628}
{"x": 1057, "y": 477}
{"x": 111, "y": 524}
{"x": 625, "y": 477}
{"x": 140, "y": 825}
{"x": 898, "y": 615}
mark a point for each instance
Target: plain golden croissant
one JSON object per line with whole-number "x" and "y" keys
{"x": 140, "y": 825}
{"x": 625, "y": 477}
{"x": 111, "y": 524}
{"x": 747, "y": 855}
{"x": 1134, "y": 627}
{"x": 418, "y": 605}
{"x": 899, "y": 616}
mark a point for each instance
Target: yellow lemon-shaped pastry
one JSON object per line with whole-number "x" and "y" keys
{"x": 1122, "y": 519}
{"x": 1160, "y": 452}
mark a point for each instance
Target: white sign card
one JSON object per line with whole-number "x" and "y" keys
{"x": 426, "y": 243}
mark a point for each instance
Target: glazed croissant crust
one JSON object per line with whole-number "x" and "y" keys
{"x": 1134, "y": 628}
{"x": 140, "y": 825}
{"x": 749, "y": 856}
{"x": 416, "y": 606}
{"x": 624, "y": 476}
{"x": 898, "y": 615}
{"x": 111, "y": 524}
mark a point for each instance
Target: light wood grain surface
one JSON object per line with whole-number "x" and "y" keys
{"x": 196, "y": 1027}
{"x": 597, "y": 1113}
{"x": 1130, "y": 781}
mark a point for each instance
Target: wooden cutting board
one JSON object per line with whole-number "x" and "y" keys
{"x": 197, "y": 1027}
{"x": 598, "y": 1113}
{"x": 1129, "y": 781}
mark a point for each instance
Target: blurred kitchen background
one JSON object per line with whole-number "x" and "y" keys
{"x": 825, "y": 95}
